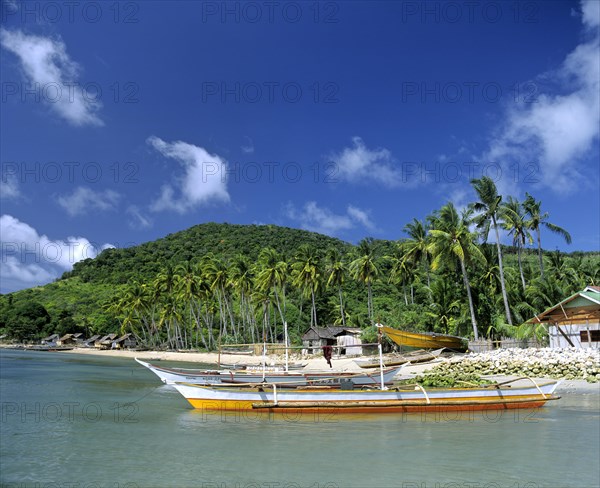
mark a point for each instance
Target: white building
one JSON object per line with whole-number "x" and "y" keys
{"x": 574, "y": 322}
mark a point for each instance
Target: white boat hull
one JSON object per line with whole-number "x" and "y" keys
{"x": 170, "y": 376}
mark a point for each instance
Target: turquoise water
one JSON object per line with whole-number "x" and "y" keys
{"x": 93, "y": 422}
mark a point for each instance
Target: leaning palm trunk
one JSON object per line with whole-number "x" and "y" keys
{"x": 502, "y": 285}
{"x": 521, "y": 266}
{"x": 370, "y": 301}
{"x": 471, "y": 308}
{"x": 342, "y": 306}
{"x": 539, "y": 241}
{"x": 313, "y": 317}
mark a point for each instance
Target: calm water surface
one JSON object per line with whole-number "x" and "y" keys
{"x": 92, "y": 422}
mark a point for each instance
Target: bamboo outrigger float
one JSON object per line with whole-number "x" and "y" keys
{"x": 412, "y": 398}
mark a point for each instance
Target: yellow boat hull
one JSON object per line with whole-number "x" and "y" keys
{"x": 425, "y": 341}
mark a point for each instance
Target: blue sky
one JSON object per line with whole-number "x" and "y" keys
{"x": 123, "y": 122}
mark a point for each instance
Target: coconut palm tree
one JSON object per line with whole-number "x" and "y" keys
{"x": 241, "y": 277}
{"x": 216, "y": 273}
{"x": 444, "y": 305}
{"x": 514, "y": 221}
{"x": 488, "y": 207}
{"x": 451, "y": 240}
{"x": 401, "y": 271}
{"x": 365, "y": 270}
{"x": 336, "y": 273}
{"x": 415, "y": 248}
{"x": 272, "y": 275}
{"x": 189, "y": 290}
{"x": 308, "y": 276}
{"x": 537, "y": 219}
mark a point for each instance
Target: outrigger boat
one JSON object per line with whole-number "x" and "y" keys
{"x": 411, "y": 398}
{"x": 172, "y": 375}
{"x": 398, "y": 359}
{"x": 423, "y": 340}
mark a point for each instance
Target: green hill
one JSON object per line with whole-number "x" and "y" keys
{"x": 187, "y": 288}
{"x": 119, "y": 266}
{"x": 82, "y": 293}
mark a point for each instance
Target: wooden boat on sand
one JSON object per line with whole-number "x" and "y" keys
{"x": 173, "y": 375}
{"x": 424, "y": 340}
{"x": 413, "y": 357}
{"x": 412, "y": 398}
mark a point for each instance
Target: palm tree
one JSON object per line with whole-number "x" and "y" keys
{"x": 451, "y": 240}
{"x": 488, "y": 206}
{"x": 564, "y": 272}
{"x": 364, "y": 269}
{"x": 308, "y": 276}
{"x": 189, "y": 290}
{"x": 216, "y": 273}
{"x": 401, "y": 271}
{"x": 516, "y": 225}
{"x": 415, "y": 248}
{"x": 538, "y": 219}
{"x": 443, "y": 304}
{"x": 241, "y": 277}
{"x": 272, "y": 275}
{"x": 336, "y": 271}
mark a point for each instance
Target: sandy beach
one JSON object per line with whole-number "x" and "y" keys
{"x": 312, "y": 364}
{"x": 318, "y": 363}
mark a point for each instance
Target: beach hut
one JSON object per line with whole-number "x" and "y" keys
{"x": 346, "y": 338}
{"x": 105, "y": 342}
{"x": 78, "y": 338}
{"x": 66, "y": 340}
{"x": 91, "y": 341}
{"x": 574, "y": 322}
{"x": 126, "y": 341}
{"x": 51, "y": 340}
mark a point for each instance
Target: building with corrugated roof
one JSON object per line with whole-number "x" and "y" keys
{"x": 574, "y": 322}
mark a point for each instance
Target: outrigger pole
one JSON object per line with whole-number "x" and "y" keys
{"x": 380, "y": 349}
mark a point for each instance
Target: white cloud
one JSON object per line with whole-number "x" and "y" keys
{"x": 358, "y": 164}
{"x": 30, "y": 259}
{"x": 9, "y": 187}
{"x": 51, "y": 73}
{"x": 558, "y": 130}
{"x": 591, "y": 13}
{"x": 360, "y": 216}
{"x": 320, "y": 219}
{"x": 204, "y": 180}
{"x": 248, "y": 148}
{"x": 84, "y": 200}
{"x": 138, "y": 219}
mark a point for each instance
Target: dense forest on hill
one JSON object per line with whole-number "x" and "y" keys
{"x": 235, "y": 283}
{"x": 119, "y": 266}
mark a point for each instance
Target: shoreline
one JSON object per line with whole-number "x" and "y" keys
{"x": 340, "y": 364}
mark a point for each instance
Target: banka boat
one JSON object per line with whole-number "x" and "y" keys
{"x": 173, "y": 375}
{"x": 423, "y": 340}
{"x": 397, "y": 399}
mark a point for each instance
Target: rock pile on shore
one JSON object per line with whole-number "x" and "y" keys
{"x": 541, "y": 363}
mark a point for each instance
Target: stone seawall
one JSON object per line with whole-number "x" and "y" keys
{"x": 541, "y": 363}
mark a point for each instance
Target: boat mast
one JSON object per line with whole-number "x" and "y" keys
{"x": 285, "y": 332}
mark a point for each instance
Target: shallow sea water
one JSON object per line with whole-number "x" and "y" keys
{"x": 92, "y": 422}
